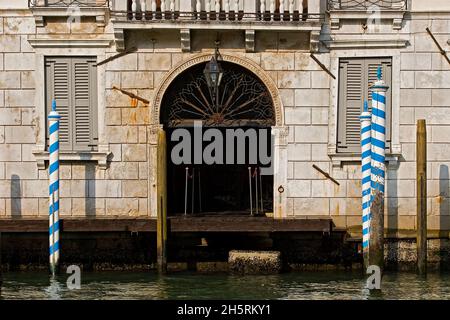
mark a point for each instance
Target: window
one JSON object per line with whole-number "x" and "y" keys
{"x": 72, "y": 82}
{"x": 356, "y": 76}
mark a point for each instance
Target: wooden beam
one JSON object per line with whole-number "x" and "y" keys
{"x": 174, "y": 224}
{"x": 442, "y": 51}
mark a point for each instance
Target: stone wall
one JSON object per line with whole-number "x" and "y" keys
{"x": 421, "y": 78}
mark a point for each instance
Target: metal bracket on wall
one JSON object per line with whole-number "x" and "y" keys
{"x": 442, "y": 51}
{"x": 327, "y": 175}
{"x": 324, "y": 68}
{"x": 131, "y": 50}
{"x": 132, "y": 95}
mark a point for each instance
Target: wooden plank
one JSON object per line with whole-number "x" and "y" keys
{"x": 248, "y": 224}
{"x": 79, "y": 225}
{"x": 177, "y": 224}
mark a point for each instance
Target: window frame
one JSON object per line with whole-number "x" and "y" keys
{"x": 82, "y": 47}
{"x": 394, "y": 154}
{"x": 365, "y": 90}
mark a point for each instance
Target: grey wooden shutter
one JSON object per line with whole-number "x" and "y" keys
{"x": 58, "y": 87}
{"x": 356, "y": 76}
{"x": 84, "y": 102}
{"x": 351, "y": 95}
{"x": 72, "y": 82}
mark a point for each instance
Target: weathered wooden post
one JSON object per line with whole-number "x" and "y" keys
{"x": 161, "y": 225}
{"x": 1, "y": 264}
{"x": 378, "y": 170}
{"x": 421, "y": 167}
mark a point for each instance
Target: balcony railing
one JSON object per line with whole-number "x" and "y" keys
{"x": 364, "y": 5}
{"x": 216, "y": 10}
{"x": 68, "y": 3}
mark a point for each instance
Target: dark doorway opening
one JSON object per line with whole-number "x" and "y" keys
{"x": 233, "y": 188}
{"x": 243, "y": 103}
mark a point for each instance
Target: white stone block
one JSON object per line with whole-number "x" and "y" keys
{"x": 10, "y": 116}
{"x": 24, "y": 170}
{"x": 20, "y": 134}
{"x": 327, "y": 189}
{"x": 277, "y": 61}
{"x": 320, "y": 79}
{"x": 134, "y": 188}
{"x": 416, "y": 61}
{"x": 10, "y": 43}
{"x": 9, "y": 80}
{"x": 10, "y": 152}
{"x": 294, "y": 79}
{"x": 123, "y": 206}
{"x": 105, "y": 188}
{"x": 154, "y": 61}
{"x": 297, "y": 115}
{"x": 319, "y": 152}
{"x": 310, "y": 134}
{"x": 319, "y": 116}
{"x": 34, "y": 188}
{"x": 137, "y": 79}
{"x": 305, "y": 170}
{"x": 441, "y": 134}
{"x": 299, "y": 152}
{"x": 127, "y": 62}
{"x": 123, "y": 170}
{"x": 298, "y": 188}
{"x": 407, "y": 80}
{"x": 312, "y": 97}
{"x": 415, "y": 97}
{"x": 287, "y": 97}
{"x": 19, "y": 61}
{"x": 19, "y": 25}
{"x": 311, "y": 206}
{"x": 19, "y": 98}
{"x": 134, "y": 152}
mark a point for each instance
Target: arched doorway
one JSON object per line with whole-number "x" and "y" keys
{"x": 219, "y": 147}
{"x": 157, "y": 168}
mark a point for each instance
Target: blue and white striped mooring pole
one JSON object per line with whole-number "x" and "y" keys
{"x": 366, "y": 179}
{"x": 53, "y": 172}
{"x": 378, "y": 134}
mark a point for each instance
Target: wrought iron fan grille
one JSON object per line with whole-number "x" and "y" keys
{"x": 242, "y": 99}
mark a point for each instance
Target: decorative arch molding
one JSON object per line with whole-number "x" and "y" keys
{"x": 204, "y": 57}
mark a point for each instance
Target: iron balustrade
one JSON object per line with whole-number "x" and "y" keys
{"x": 225, "y": 10}
{"x": 69, "y": 3}
{"x": 359, "y": 5}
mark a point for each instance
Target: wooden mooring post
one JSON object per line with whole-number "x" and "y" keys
{"x": 376, "y": 249}
{"x": 421, "y": 167}
{"x": 161, "y": 225}
{"x": 1, "y": 265}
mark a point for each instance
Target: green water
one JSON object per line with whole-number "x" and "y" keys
{"x": 305, "y": 285}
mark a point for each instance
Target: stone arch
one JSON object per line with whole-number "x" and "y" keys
{"x": 204, "y": 57}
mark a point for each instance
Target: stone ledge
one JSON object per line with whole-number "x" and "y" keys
{"x": 338, "y": 159}
{"x": 100, "y": 157}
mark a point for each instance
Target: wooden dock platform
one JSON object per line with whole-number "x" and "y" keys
{"x": 176, "y": 224}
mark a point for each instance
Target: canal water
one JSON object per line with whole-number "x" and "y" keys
{"x": 304, "y": 285}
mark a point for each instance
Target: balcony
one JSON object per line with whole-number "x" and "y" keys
{"x": 186, "y": 15}
{"x": 362, "y": 10}
{"x": 43, "y": 9}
